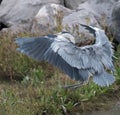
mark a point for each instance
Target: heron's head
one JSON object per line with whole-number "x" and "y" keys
{"x": 68, "y": 36}
{"x": 98, "y": 29}
{"x": 100, "y": 36}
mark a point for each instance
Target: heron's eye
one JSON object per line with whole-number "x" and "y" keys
{"x": 83, "y": 51}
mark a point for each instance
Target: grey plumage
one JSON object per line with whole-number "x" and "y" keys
{"x": 78, "y": 62}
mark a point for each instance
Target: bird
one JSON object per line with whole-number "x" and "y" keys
{"x": 79, "y": 63}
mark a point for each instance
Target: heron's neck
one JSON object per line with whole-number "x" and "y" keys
{"x": 101, "y": 38}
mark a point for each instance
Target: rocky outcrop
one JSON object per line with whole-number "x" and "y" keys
{"x": 19, "y": 11}
{"x": 46, "y": 15}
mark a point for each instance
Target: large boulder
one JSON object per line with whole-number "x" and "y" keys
{"x": 45, "y": 15}
{"x": 115, "y": 22}
{"x": 92, "y": 12}
{"x": 18, "y": 11}
{"x": 72, "y": 23}
{"x": 73, "y": 4}
{"x": 49, "y": 17}
{"x": 79, "y": 17}
{"x": 101, "y": 9}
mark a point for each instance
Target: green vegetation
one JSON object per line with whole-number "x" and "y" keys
{"x": 31, "y": 88}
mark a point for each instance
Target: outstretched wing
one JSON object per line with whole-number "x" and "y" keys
{"x": 77, "y": 62}
{"x": 93, "y": 59}
{"x": 40, "y": 49}
{"x": 33, "y": 47}
{"x": 86, "y": 57}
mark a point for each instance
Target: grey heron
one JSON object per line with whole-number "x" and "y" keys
{"x": 79, "y": 63}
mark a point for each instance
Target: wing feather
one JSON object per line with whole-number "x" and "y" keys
{"x": 78, "y": 62}
{"x": 39, "y": 49}
{"x": 80, "y": 57}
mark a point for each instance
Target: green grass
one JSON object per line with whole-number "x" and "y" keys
{"x": 39, "y": 91}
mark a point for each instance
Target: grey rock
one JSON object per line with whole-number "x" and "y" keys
{"x": 81, "y": 16}
{"x": 115, "y": 22}
{"x": 73, "y": 4}
{"x": 101, "y": 9}
{"x": 17, "y": 28}
{"x": 49, "y": 16}
{"x": 18, "y": 11}
{"x": 45, "y": 15}
{"x": 91, "y": 12}
{"x": 72, "y": 23}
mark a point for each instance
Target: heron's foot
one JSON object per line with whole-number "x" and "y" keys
{"x": 75, "y": 86}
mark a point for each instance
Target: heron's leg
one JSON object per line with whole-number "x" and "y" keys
{"x": 75, "y": 86}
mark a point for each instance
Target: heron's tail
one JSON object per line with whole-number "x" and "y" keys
{"x": 104, "y": 79}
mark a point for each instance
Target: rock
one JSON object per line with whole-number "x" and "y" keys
{"x": 16, "y": 11}
{"x": 50, "y": 16}
{"x": 72, "y": 23}
{"x": 77, "y": 17}
{"x": 91, "y": 12}
{"x": 73, "y": 4}
{"x": 46, "y": 15}
{"x": 16, "y": 28}
{"x": 101, "y": 9}
{"x": 115, "y": 23}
